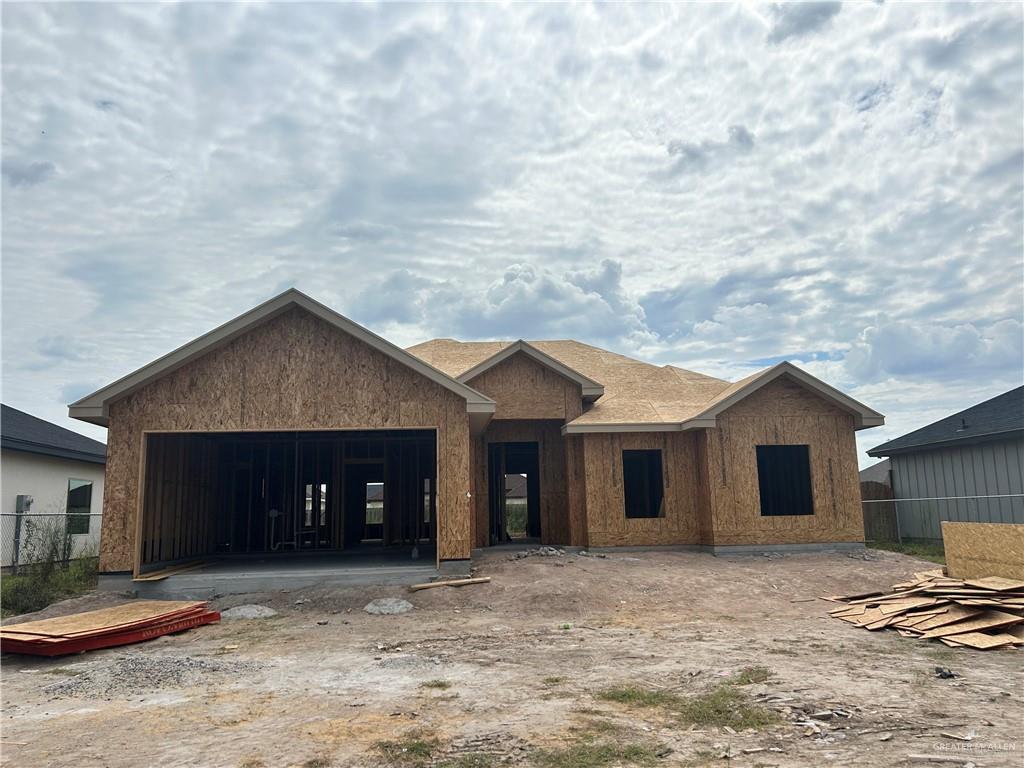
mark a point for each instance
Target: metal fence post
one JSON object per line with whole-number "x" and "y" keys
{"x": 21, "y": 505}
{"x": 896, "y": 510}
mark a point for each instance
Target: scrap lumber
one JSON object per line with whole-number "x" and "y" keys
{"x": 123, "y": 624}
{"x": 451, "y": 583}
{"x": 982, "y": 613}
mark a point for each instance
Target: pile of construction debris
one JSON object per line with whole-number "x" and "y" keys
{"x": 977, "y": 613}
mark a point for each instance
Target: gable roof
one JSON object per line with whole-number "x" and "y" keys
{"x": 20, "y": 431}
{"x": 1000, "y": 417}
{"x": 638, "y": 396}
{"x": 590, "y": 388}
{"x": 95, "y": 407}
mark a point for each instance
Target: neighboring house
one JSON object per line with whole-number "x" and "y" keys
{"x": 877, "y": 473}
{"x": 265, "y": 434}
{"x": 952, "y": 462}
{"x": 61, "y": 470}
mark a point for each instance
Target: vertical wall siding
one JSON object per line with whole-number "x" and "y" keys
{"x": 984, "y": 469}
{"x": 292, "y": 372}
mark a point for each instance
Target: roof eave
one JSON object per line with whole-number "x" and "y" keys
{"x": 882, "y": 450}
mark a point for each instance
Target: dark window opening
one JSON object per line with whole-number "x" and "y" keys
{"x": 784, "y": 480}
{"x": 642, "y": 478}
{"x": 79, "y": 506}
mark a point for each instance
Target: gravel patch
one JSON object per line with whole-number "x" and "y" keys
{"x": 248, "y": 612}
{"x": 388, "y": 606}
{"x": 130, "y": 675}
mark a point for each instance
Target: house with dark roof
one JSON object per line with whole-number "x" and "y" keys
{"x": 966, "y": 467}
{"x": 282, "y": 430}
{"x": 60, "y": 471}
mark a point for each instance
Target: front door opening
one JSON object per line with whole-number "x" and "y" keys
{"x": 513, "y": 492}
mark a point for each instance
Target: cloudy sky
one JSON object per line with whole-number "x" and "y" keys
{"x": 718, "y": 187}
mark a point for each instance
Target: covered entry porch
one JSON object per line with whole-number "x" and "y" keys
{"x": 253, "y": 499}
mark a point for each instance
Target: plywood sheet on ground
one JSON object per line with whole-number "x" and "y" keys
{"x": 979, "y": 550}
{"x": 100, "y": 620}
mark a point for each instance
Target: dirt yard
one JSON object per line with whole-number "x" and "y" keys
{"x": 658, "y": 658}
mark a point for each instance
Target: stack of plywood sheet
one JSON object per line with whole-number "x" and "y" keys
{"x": 123, "y": 624}
{"x": 978, "y": 613}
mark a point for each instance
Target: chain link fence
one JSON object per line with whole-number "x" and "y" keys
{"x": 33, "y": 537}
{"x": 920, "y": 519}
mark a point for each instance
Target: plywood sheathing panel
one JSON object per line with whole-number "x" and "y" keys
{"x": 576, "y": 491}
{"x": 554, "y": 506}
{"x": 783, "y": 412}
{"x": 293, "y": 372}
{"x": 976, "y": 550}
{"x": 607, "y": 525}
{"x": 525, "y": 389}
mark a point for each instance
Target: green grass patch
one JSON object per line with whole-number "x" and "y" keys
{"x": 554, "y": 680}
{"x": 925, "y": 549}
{"x": 721, "y": 706}
{"x": 596, "y": 755}
{"x": 724, "y": 705}
{"x": 412, "y": 750}
{"x": 37, "y": 585}
{"x": 440, "y": 685}
{"x": 470, "y": 760}
{"x": 634, "y": 696}
{"x": 749, "y": 675}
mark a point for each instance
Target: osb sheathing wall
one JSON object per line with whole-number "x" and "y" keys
{"x": 525, "y": 389}
{"x": 293, "y": 372}
{"x": 783, "y": 412}
{"x": 554, "y": 507}
{"x": 607, "y": 524}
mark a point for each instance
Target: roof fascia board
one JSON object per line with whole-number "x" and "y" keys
{"x": 25, "y": 446}
{"x": 1006, "y": 434}
{"x": 94, "y": 407}
{"x": 590, "y": 389}
{"x": 583, "y": 429}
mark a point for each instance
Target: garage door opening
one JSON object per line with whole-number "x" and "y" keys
{"x": 278, "y": 493}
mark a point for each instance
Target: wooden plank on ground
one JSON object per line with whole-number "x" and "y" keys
{"x": 982, "y": 641}
{"x": 453, "y": 583}
{"x": 954, "y": 614}
{"x": 987, "y": 620}
{"x": 998, "y": 583}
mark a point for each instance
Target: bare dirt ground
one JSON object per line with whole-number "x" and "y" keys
{"x": 571, "y": 660}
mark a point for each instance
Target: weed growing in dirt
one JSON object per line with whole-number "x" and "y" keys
{"x": 640, "y": 697}
{"x": 721, "y": 706}
{"x": 412, "y": 750}
{"x": 749, "y": 675}
{"x": 555, "y": 680}
{"x": 316, "y": 762}
{"x": 475, "y": 760}
{"x": 596, "y": 755}
{"x": 51, "y": 570}
{"x": 724, "y": 705}
{"x": 441, "y": 685}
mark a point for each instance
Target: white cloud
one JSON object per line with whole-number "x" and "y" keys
{"x": 694, "y": 184}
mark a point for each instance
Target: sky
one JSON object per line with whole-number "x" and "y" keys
{"x": 718, "y": 187}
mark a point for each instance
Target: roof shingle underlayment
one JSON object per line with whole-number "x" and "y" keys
{"x": 635, "y": 393}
